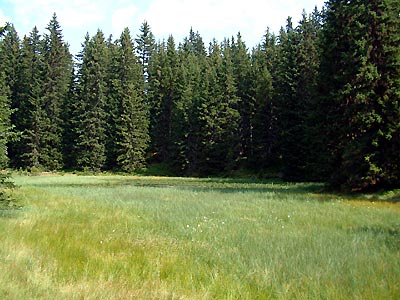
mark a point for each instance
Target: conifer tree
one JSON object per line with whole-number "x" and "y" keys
{"x": 186, "y": 124}
{"x": 289, "y": 108}
{"x": 242, "y": 72}
{"x": 29, "y": 104}
{"x": 5, "y": 113}
{"x": 360, "y": 92}
{"x": 57, "y": 67}
{"x": 5, "y": 122}
{"x": 221, "y": 117}
{"x": 264, "y": 118}
{"x": 184, "y": 119}
{"x": 308, "y": 147}
{"x": 91, "y": 115}
{"x": 233, "y": 146}
{"x": 165, "y": 92}
{"x": 69, "y": 118}
{"x": 10, "y": 51}
{"x": 145, "y": 44}
{"x": 132, "y": 122}
{"x": 9, "y": 54}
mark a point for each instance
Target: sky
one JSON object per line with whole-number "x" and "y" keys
{"x": 211, "y": 18}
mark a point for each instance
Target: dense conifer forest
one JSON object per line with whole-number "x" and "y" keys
{"x": 316, "y": 101}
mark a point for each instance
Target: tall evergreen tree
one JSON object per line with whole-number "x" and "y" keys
{"x": 233, "y": 140}
{"x": 29, "y": 104}
{"x": 308, "y": 63}
{"x": 5, "y": 122}
{"x": 10, "y": 51}
{"x": 225, "y": 128}
{"x": 289, "y": 109}
{"x": 165, "y": 92}
{"x": 91, "y": 115}
{"x": 242, "y": 72}
{"x": 9, "y": 54}
{"x": 5, "y": 113}
{"x": 69, "y": 118}
{"x": 112, "y": 107}
{"x": 300, "y": 148}
{"x": 56, "y": 71}
{"x": 132, "y": 123}
{"x": 145, "y": 44}
{"x": 360, "y": 89}
{"x": 264, "y": 118}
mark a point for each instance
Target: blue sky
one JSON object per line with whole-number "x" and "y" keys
{"x": 212, "y": 18}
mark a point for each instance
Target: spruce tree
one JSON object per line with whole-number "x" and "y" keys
{"x": 264, "y": 118}
{"x": 132, "y": 123}
{"x": 242, "y": 73}
{"x": 112, "y": 107}
{"x": 9, "y": 54}
{"x": 5, "y": 114}
{"x": 145, "y": 44}
{"x": 232, "y": 139}
{"x": 186, "y": 125}
{"x": 289, "y": 108}
{"x": 301, "y": 146}
{"x": 29, "y": 105}
{"x": 69, "y": 118}
{"x": 90, "y": 115}
{"x": 5, "y": 122}
{"x": 360, "y": 92}
{"x": 223, "y": 140}
{"x": 165, "y": 91}
{"x": 56, "y": 79}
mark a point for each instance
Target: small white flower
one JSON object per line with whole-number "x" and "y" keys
{"x": 187, "y": 226}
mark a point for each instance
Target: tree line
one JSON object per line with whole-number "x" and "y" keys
{"x": 317, "y": 101}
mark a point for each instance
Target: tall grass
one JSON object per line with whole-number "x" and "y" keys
{"x": 115, "y": 237}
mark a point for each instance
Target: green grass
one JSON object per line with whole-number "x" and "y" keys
{"x": 120, "y": 237}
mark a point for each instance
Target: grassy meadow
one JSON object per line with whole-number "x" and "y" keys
{"x": 126, "y": 237}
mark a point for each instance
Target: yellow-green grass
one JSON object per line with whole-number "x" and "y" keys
{"x": 120, "y": 237}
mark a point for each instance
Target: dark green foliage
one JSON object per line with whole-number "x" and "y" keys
{"x": 290, "y": 112}
{"x": 57, "y": 67}
{"x": 264, "y": 117}
{"x": 296, "y": 94}
{"x": 132, "y": 121}
{"x": 360, "y": 81}
{"x": 145, "y": 46}
{"x": 184, "y": 121}
{"x": 28, "y": 104}
{"x": 5, "y": 122}
{"x": 6, "y": 185}
{"x": 320, "y": 101}
{"x": 245, "y": 97}
{"x": 165, "y": 92}
{"x": 39, "y": 89}
{"x": 90, "y": 108}
{"x": 9, "y": 53}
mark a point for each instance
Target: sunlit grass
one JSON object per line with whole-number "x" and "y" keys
{"x": 117, "y": 237}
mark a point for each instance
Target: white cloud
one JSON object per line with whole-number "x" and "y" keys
{"x": 73, "y": 13}
{"x": 223, "y": 18}
{"x": 3, "y": 18}
{"x": 122, "y": 18}
{"x": 212, "y": 18}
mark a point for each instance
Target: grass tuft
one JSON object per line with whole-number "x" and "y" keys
{"x": 132, "y": 237}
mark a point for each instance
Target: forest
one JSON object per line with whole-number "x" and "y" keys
{"x": 317, "y": 101}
